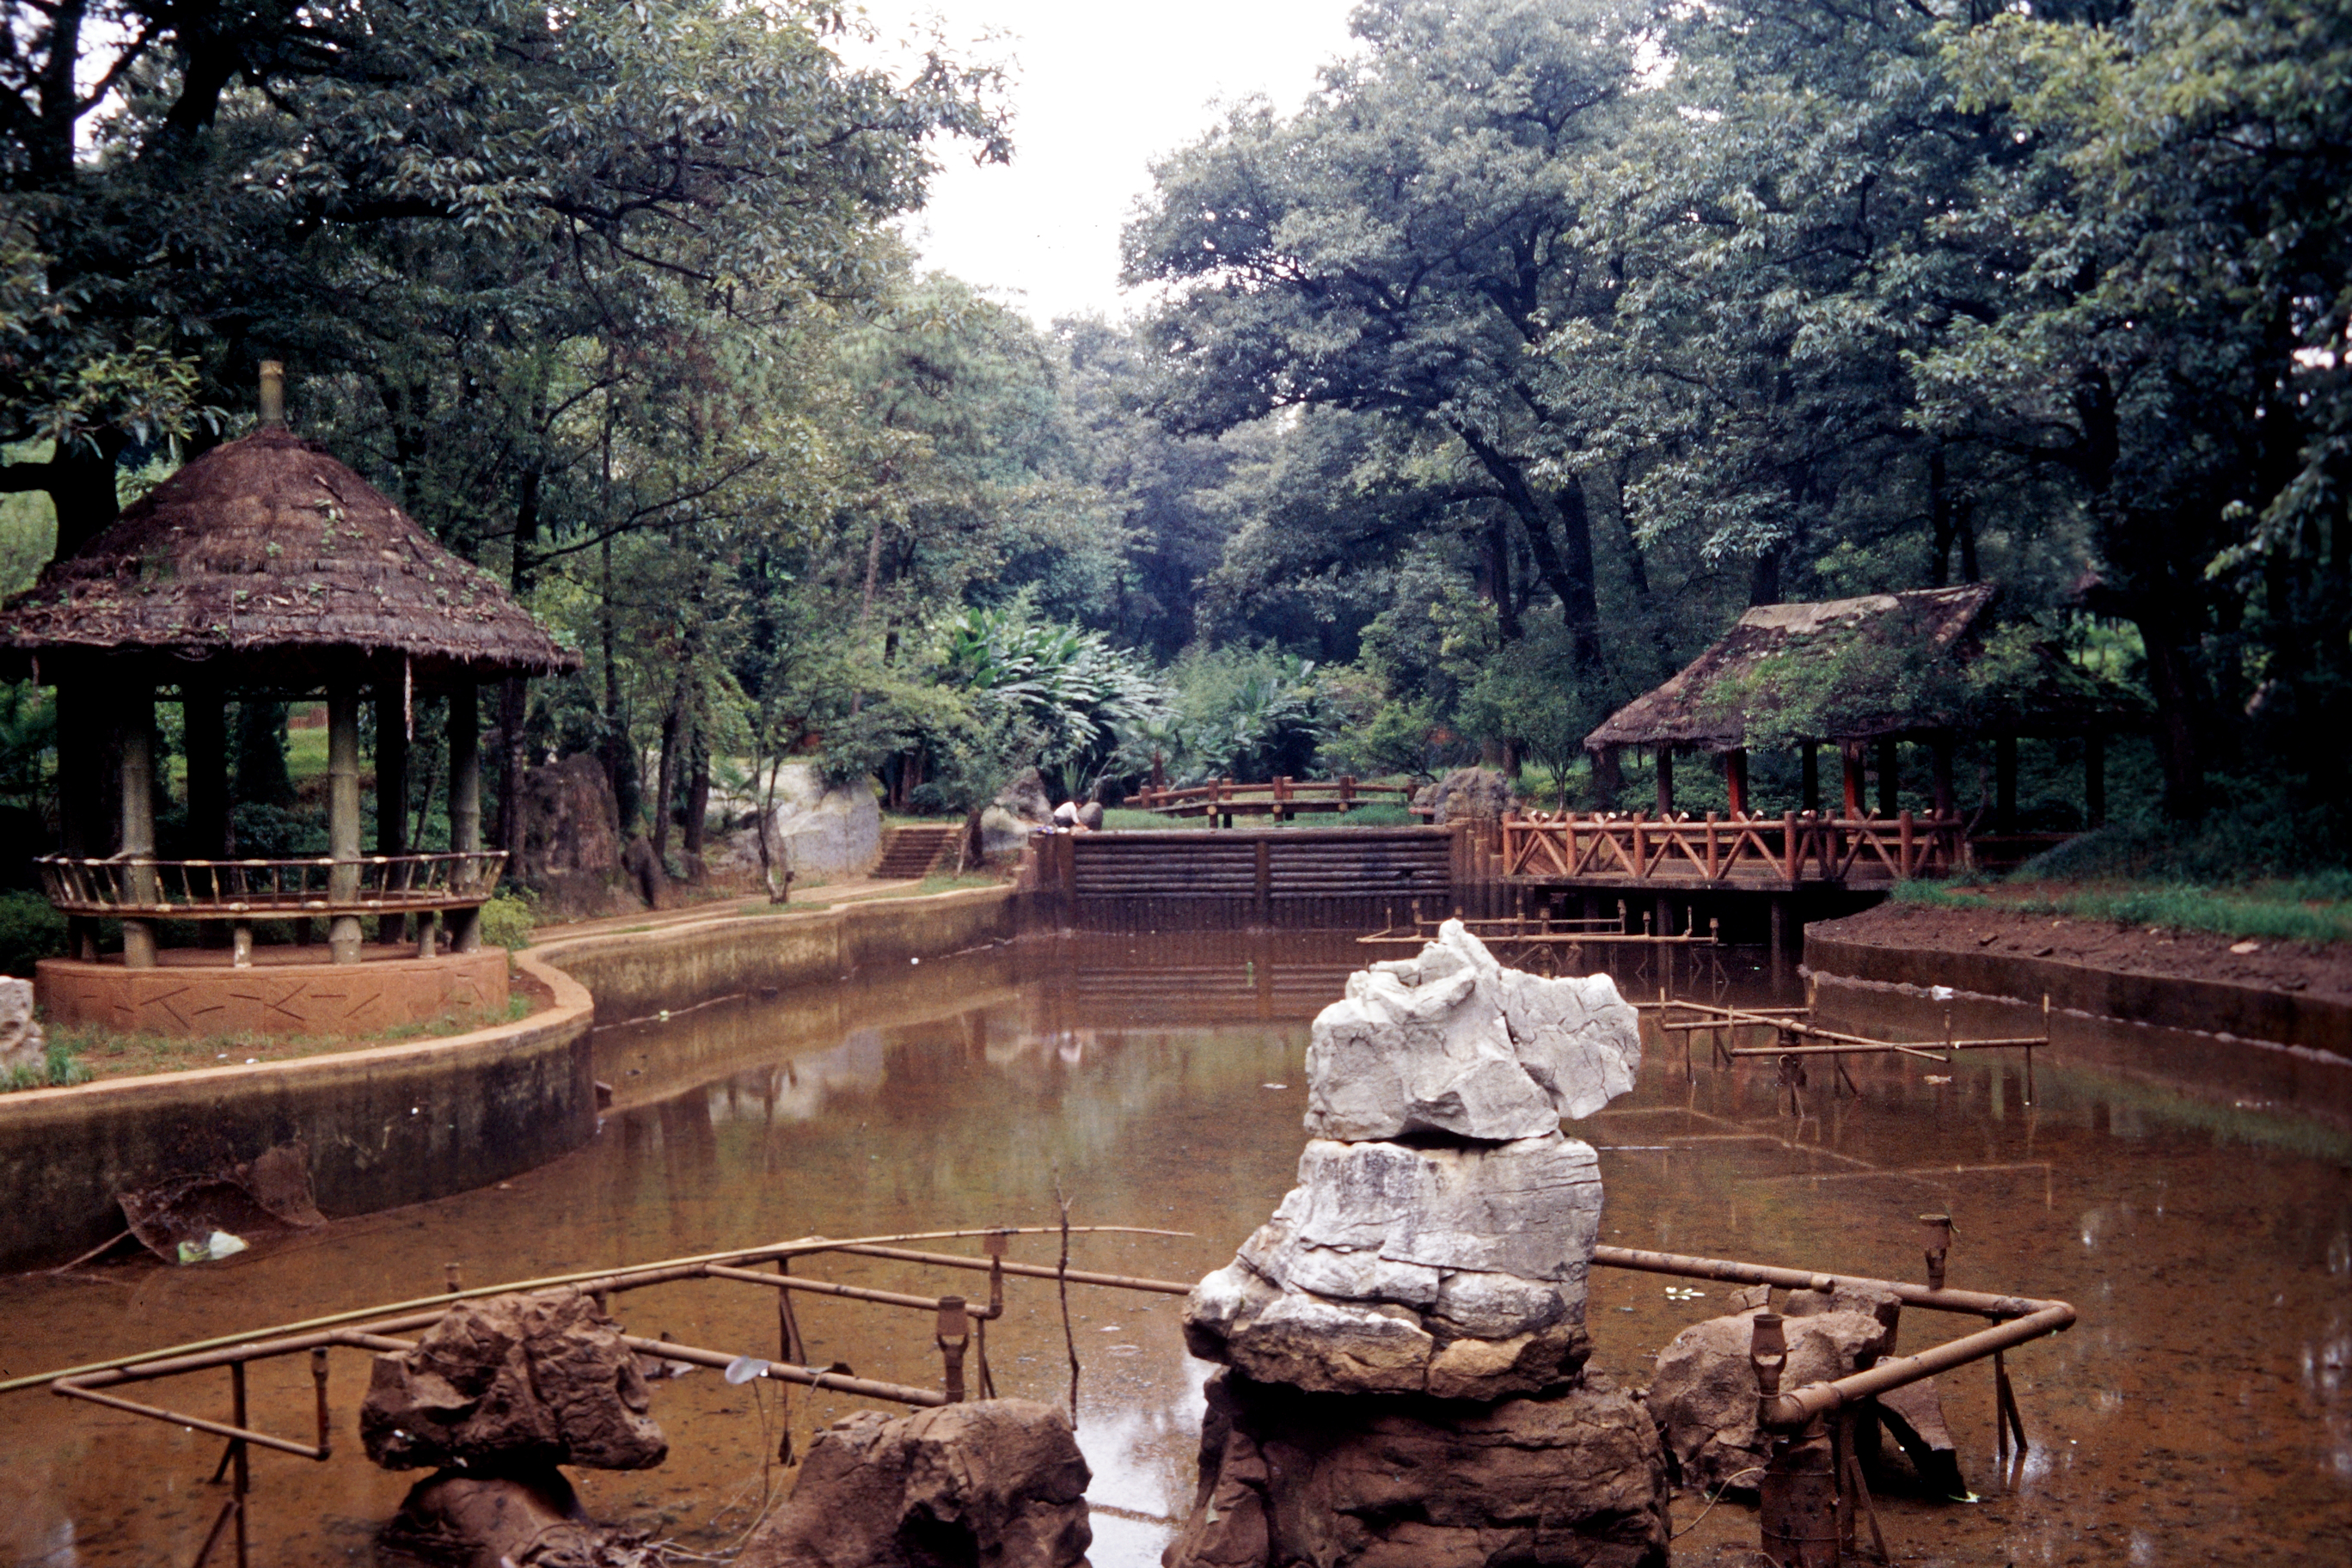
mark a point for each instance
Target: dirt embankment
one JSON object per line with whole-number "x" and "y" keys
{"x": 2322, "y": 970}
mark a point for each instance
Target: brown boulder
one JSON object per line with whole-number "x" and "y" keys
{"x": 571, "y": 839}
{"x": 514, "y": 1385}
{"x": 484, "y": 1521}
{"x": 1704, "y": 1394}
{"x": 998, "y": 1483}
{"x": 1574, "y": 1479}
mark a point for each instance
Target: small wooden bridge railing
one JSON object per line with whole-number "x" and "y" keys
{"x": 1281, "y": 798}
{"x": 1798, "y": 847}
{"x": 264, "y": 890}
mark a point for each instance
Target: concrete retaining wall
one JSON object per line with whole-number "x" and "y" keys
{"x": 404, "y": 1123}
{"x": 635, "y": 974}
{"x": 2219, "y": 1007}
{"x": 388, "y": 1125}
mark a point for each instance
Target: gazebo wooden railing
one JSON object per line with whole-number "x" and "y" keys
{"x": 137, "y": 888}
{"x": 1797, "y": 847}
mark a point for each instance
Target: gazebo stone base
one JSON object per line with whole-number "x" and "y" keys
{"x": 287, "y": 991}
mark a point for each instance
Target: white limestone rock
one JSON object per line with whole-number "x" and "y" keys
{"x": 22, "y": 1047}
{"x": 820, "y": 830}
{"x": 1452, "y": 1043}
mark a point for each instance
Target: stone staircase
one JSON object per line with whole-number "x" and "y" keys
{"x": 912, "y": 852}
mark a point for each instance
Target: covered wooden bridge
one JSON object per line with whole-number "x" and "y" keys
{"x": 1858, "y": 679}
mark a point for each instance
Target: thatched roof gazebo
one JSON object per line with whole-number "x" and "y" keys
{"x": 1877, "y": 669}
{"x": 265, "y": 569}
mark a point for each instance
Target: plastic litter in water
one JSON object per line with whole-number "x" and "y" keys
{"x": 1942, "y": 992}
{"x": 744, "y": 1368}
{"x": 218, "y": 1245}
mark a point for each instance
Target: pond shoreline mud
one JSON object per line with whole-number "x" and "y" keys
{"x": 2281, "y": 994}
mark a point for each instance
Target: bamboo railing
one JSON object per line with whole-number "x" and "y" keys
{"x": 140, "y": 887}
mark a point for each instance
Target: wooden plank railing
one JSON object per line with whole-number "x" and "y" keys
{"x": 1797, "y": 847}
{"x": 1281, "y": 798}
{"x": 266, "y": 889}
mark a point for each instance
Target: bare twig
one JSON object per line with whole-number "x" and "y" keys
{"x": 1062, "y": 1271}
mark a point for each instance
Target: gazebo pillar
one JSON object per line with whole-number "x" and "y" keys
{"x": 2094, "y": 779}
{"x": 1666, "y": 781}
{"x": 2004, "y": 782}
{"x": 465, "y": 799}
{"x": 1735, "y": 780}
{"x": 1849, "y": 761}
{"x": 1809, "y": 764}
{"x": 81, "y": 810}
{"x": 138, "y": 736}
{"x": 391, "y": 779}
{"x": 1947, "y": 800}
{"x": 204, "y": 721}
{"x": 1889, "y": 774}
{"x": 343, "y": 812}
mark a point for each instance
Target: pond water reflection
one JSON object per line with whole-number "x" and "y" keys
{"x": 2192, "y": 1197}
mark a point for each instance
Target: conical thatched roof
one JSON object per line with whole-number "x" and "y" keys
{"x": 1854, "y": 669}
{"x": 269, "y": 557}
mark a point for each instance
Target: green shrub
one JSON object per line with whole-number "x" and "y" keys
{"x": 29, "y": 931}
{"x": 58, "y": 1068}
{"x": 508, "y": 919}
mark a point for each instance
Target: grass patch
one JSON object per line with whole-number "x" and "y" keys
{"x": 59, "y": 1066}
{"x": 99, "y": 1054}
{"x": 2307, "y": 910}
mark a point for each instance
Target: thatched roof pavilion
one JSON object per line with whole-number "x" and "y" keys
{"x": 1879, "y": 668}
{"x": 269, "y": 563}
{"x": 265, "y": 568}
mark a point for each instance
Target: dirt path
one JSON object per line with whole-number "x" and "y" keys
{"x": 2318, "y": 969}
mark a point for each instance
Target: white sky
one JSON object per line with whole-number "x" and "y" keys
{"x": 1098, "y": 90}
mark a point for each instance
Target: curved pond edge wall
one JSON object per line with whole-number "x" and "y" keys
{"x": 387, "y": 1125}
{"x": 396, "y": 1124}
{"x": 640, "y": 973}
{"x": 2211, "y": 1007}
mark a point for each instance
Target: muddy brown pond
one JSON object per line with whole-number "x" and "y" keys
{"x": 2191, "y": 1197}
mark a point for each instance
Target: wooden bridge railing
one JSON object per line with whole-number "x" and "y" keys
{"x": 1797, "y": 847}
{"x": 1281, "y": 798}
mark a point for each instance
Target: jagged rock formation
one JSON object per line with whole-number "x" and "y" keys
{"x": 1438, "y": 1239}
{"x": 1703, "y": 1393}
{"x": 1411, "y": 1482}
{"x": 22, "y": 1047}
{"x": 1406, "y": 1335}
{"x": 512, "y": 1384}
{"x": 998, "y": 1482}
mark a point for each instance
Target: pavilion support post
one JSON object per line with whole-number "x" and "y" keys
{"x": 2004, "y": 782}
{"x": 343, "y": 812}
{"x": 1890, "y": 757}
{"x": 81, "y": 794}
{"x": 465, "y": 801}
{"x": 204, "y": 715}
{"x": 1849, "y": 756}
{"x": 1735, "y": 780}
{"x": 1947, "y": 800}
{"x": 1809, "y": 758}
{"x": 138, "y": 736}
{"x": 2094, "y": 780}
{"x": 1666, "y": 781}
{"x": 392, "y": 782}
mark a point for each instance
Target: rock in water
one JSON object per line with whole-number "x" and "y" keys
{"x": 497, "y": 1521}
{"x": 1391, "y": 1269}
{"x": 1450, "y": 1043}
{"x": 1573, "y": 1479}
{"x": 514, "y": 1385}
{"x": 22, "y": 1048}
{"x": 1406, "y": 1334}
{"x": 999, "y": 1482}
{"x": 1703, "y": 1395}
